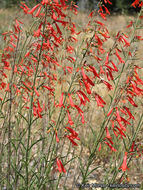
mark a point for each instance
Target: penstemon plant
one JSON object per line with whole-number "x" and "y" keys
{"x": 52, "y": 78}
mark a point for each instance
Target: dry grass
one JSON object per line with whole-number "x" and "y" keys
{"x": 94, "y": 114}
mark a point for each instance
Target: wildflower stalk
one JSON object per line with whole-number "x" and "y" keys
{"x": 31, "y": 106}
{"x": 10, "y": 116}
{"x": 116, "y": 171}
{"x": 107, "y": 119}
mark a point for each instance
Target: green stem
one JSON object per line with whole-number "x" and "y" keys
{"x": 31, "y": 106}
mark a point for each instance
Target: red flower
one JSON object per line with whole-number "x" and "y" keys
{"x": 60, "y": 166}
{"x": 109, "y": 86}
{"x": 61, "y": 100}
{"x": 70, "y": 49}
{"x": 87, "y": 86}
{"x": 135, "y": 3}
{"x": 108, "y": 134}
{"x": 38, "y": 12}
{"x": 124, "y": 165}
{"x": 118, "y": 56}
{"x": 100, "y": 101}
{"x": 36, "y": 92}
{"x": 57, "y": 139}
{"x": 131, "y": 101}
{"x": 75, "y": 134}
{"x": 70, "y": 120}
{"x": 83, "y": 73}
{"x": 85, "y": 97}
{"x": 33, "y": 9}
{"x": 129, "y": 113}
{"x": 71, "y": 101}
{"x": 107, "y": 59}
{"x": 94, "y": 71}
{"x": 81, "y": 99}
{"x": 109, "y": 113}
{"x": 118, "y": 115}
{"x": 110, "y": 146}
{"x": 99, "y": 147}
{"x": 70, "y": 137}
{"x": 7, "y": 88}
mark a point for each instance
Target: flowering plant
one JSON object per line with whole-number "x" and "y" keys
{"x": 49, "y": 80}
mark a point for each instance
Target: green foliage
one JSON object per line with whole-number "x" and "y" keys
{"x": 11, "y": 3}
{"x": 123, "y": 4}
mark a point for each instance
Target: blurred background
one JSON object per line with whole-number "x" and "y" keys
{"x": 119, "y": 6}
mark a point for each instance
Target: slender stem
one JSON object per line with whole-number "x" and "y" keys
{"x": 10, "y": 116}
{"x": 31, "y": 106}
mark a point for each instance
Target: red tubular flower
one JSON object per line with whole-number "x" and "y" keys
{"x": 70, "y": 120}
{"x": 71, "y": 101}
{"x": 125, "y": 121}
{"x": 36, "y": 92}
{"x": 99, "y": 147}
{"x": 118, "y": 115}
{"x": 61, "y": 100}
{"x": 89, "y": 81}
{"x": 87, "y": 87}
{"x": 129, "y": 113}
{"x": 94, "y": 71}
{"x": 131, "y": 101}
{"x": 118, "y": 56}
{"x": 44, "y": 2}
{"x": 7, "y": 88}
{"x": 75, "y": 134}
{"x": 82, "y": 118}
{"x": 38, "y": 32}
{"x": 50, "y": 89}
{"x": 83, "y": 73}
{"x": 100, "y": 101}
{"x": 81, "y": 99}
{"x": 137, "y": 90}
{"x": 70, "y": 49}
{"x": 109, "y": 113}
{"x": 85, "y": 97}
{"x": 57, "y": 139}
{"x": 109, "y": 86}
{"x": 107, "y": 11}
{"x": 33, "y": 9}
{"x": 38, "y": 12}
{"x": 107, "y": 59}
{"x": 25, "y": 8}
{"x": 60, "y": 166}
{"x": 107, "y": 1}
{"x": 110, "y": 146}
{"x": 71, "y": 139}
{"x": 121, "y": 126}
{"x": 91, "y": 14}
{"x": 124, "y": 164}
{"x": 108, "y": 134}
{"x": 127, "y": 44}
{"x": 39, "y": 107}
{"x": 34, "y": 110}
{"x": 135, "y": 3}
{"x": 132, "y": 147}
{"x": 78, "y": 109}
{"x": 101, "y": 70}
{"x": 121, "y": 132}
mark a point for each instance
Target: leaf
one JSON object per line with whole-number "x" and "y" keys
{"x": 23, "y": 117}
{"x": 36, "y": 142}
{"x": 93, "y": 170}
